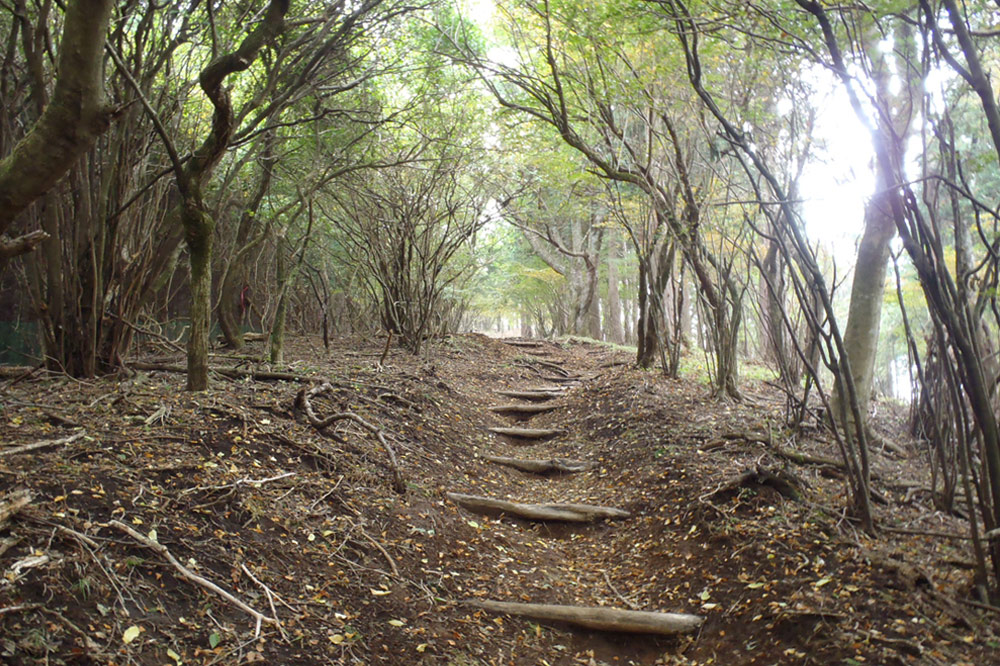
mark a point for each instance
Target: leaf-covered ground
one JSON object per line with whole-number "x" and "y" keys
{"x": 304, "y": 527}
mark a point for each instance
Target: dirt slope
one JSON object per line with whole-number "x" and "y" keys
{"x": 305, "y": 527}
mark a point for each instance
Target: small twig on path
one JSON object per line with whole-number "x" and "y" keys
{"x": 392, "y": 563}
{"x": 238, "y": 483}
{"x": 92, "y": 645}
{"x": 630, "y": 604}
{"x": 19, "y": 608}
{"x": 270, "y": 599}
{"x": 41, "y": 445}
{"x": 193, "y": 577}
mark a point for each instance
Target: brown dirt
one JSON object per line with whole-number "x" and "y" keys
{"x": 359, "y": 574}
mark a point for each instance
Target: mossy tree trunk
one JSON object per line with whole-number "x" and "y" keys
{"x": 191, "y": 178}
{"x": 69, "y": 124}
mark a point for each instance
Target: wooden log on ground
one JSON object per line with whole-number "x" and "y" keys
{"x": 557, "y": 511}
{"x": 526, "y": 433}
{"x": 561, "y": 380}
{"x": 11, "y": 503}
{"x": 522, "y": 343}
{"x": 532, "y": 395}
{"x": 523, "y": 409}
{"x": 604, "y": 619}
{"x": 550, "y": 466}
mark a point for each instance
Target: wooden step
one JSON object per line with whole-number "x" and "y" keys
{"x": 556, "y": 511}
{"x": 523, "y": 343}
{"x": 532, "y": 394}
{"x": 562, "y": 380}
{"x": 600, "y": 617}
{"x": 550, "y": 466}
{"x": 523, "y": 409}
{"x": 527, "y": 433}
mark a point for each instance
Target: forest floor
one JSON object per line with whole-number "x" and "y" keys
{"x": 235, "y": 487}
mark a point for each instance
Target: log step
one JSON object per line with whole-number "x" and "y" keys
{"x": 532, "y": 394}
{"x": 527, "y": 433}
{"x": 562, "y": 380}
{"x": 604, "y": 619}
{"x": 523, "y": 409}
{"x": 522, "y": 343}
{"x": 551, "y": 466}
{"x": 564, "y": 512}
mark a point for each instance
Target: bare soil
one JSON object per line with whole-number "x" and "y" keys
{"x": 305, "y": 527}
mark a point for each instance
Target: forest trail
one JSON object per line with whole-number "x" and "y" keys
{"x": 302, "y": 525}
{"x": 547, "y": 478}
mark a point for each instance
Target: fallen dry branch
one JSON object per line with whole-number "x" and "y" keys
{"x": 526, "y": 433}
{"x": 523, "y": 409}
{"x": 303, "y": 401}
{"x": 553, "y": 465}
{"x": 11, "y": 503}
{"x": 41, "y": 445}
{"x": 231, "y": 373}
{"x": 804, "y": 459}
{"x": 818, "y": 461}
{"x": 604, "y": 619}
{"x": 193, "y": 577}
{"x": 571, "y": 513}
{"x": 532, "y": 394}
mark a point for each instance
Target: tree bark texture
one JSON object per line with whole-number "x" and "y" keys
{"x": 73, "y": 118}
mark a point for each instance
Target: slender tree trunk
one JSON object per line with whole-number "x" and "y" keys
{"x": 198, "y": 225}
{"x": 277, "y": 337}
{"x": 613, "y": 313}
{"x": 867, "y": 292}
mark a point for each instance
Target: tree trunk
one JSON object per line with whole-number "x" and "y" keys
{"x": 276, "y": 340}
{"x": 613, "y": 313}
{"x": 75, "y": 116}
{"x": 232, "y": 301}
{"x": 865, "y": 313}
{"x": 198, "y": 229}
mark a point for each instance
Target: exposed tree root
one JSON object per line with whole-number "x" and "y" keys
{"x": 785, "y": 483}
{"x": 571, "y": 513}
{"x": 303, "y": 401}
{"x": 604, "y": 619}
{"x": 231, "y": 373}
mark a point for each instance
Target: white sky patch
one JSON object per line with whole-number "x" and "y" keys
{"x": 836, "y": 184}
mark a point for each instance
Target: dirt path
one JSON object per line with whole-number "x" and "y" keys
{"x": 304, "y": 526}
